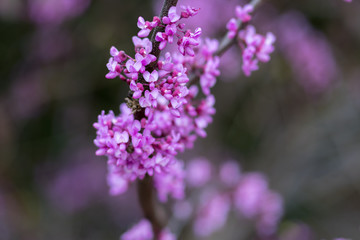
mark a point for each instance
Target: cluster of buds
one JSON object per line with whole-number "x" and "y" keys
{"x": 255, "y": 47}
{"x": 169, "y": 105}
{"x": 164, "y": 114}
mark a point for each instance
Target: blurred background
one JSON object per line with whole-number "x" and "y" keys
{"x": 297, "y": 119}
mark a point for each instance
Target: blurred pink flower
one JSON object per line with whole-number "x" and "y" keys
{"x": 230, "y": 173}
{"x": 212, "y": 215}
{"x": 140, "y": 231}
{"x": 55, "y": 11}
{"x": 75, "y": 186}
{"x": 198, "y": 172}
{"x": 308, "y": 52}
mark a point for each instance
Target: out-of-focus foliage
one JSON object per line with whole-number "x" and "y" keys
{"x": 305, "y": 138}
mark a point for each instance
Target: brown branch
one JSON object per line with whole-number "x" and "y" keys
{"x": 164, "y": 12}
{"x": 151, "y": 209}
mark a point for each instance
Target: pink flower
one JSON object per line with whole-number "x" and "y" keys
{"x": 137, "y": 88}
{"x": 242, "y": 13}
{"x": 142, "y": 44}
{"x": 230, "y": 173}
{"x": 112, "y": 66}
{"x": 249, "y": 193}
{"x": 144, "y": 26}
{"x": 162, "y": 38}
{"x": 187, "y": 43}
{"x": 140, "y": 231}
{"x": 232, "y": 27}
{"x": 266, "y": 47}
{"x": 171, "y": 183}
{"x": 172, "y": 17}
{"x": 212, "y": 215}
{"x": 165, "y": 234}
{"x": 189, "y": 11}
{"x": 117, "y": 183}
{"x": 151, "y": 77}
{"x": 198, "y": 172}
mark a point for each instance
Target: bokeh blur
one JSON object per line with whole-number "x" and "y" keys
{"x": 297, "y": 119}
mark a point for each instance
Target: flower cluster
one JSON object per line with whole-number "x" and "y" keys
{"x": 246, "y": 193}
{"x": 254, "y": 200}
{"x": 242, "y": 14}
{"x": 169, "y": 105}
{"x": 255, "y": 47}
{"x": 165, "y": 113}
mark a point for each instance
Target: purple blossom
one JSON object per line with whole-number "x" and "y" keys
{"x": 142, "y": 44}
{"x": 151, "y": 77}
{"x": 189, "y": 40}
{"x": 242, "y": 13}
{"x": 162, "y": 38}
{"x": 212, "y": 215}
{"x": 189, "y": 11}
{"x": 172, "y": 17}
{"x": 117, "y": 183}
{"x": 198, "y": 172}
{"x": 254, "y": 200}
{"x": 249, "y": 63}
{"x": 266, "y": 47}
{"x": 230, "y": 173}
{"x": 270, "y": 212}
{"x": 257, "y": 48}
{"x": 208, "y": 78}
{"x": 171, "y": 182}
{"x": 137, "y": 88}
{"x": 249, "y": 193}
{"x": 140, "y": 231}
{"x": 113, "y": 68}
{"x": 232, "y": 27}
{"x": 145, "y": 30}
{"x": 165, "y": 234}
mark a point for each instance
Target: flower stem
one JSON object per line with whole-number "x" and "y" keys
{"x": 153, "y": 211}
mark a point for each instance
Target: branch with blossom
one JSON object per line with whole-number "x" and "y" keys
{"x": 169, "y": 105}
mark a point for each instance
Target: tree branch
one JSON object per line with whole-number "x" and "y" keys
{"x": 164, "y": 12}
{"x": 153, "y": 211}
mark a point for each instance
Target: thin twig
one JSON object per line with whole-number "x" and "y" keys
{"x": 227, "y": 42}
{"x": 151, "y": 210}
